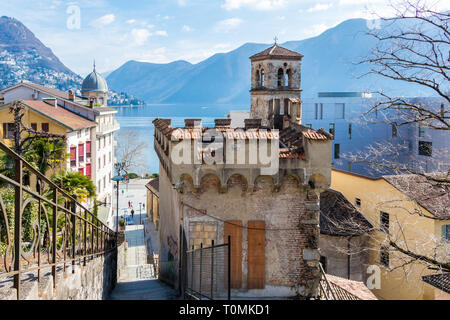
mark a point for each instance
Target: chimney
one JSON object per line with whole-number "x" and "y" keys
{"x": 51, "y": 101}
{"x": 252, "y": 123}
{"x": 222, "y": 123}
{"x": 193, "y": 123}
{"x": 71, "y": 95}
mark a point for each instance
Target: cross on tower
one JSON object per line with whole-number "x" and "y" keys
{"x": 275, "y": 39}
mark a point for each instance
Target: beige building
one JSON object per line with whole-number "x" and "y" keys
{"x": 415, "y": 215}
{"x": 223, "y": 186}
{"x": 153, "y": 201}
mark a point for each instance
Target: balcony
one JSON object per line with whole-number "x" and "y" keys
{"x": 106, "y": 128}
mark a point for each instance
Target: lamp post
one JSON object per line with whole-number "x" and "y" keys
{"x": 140, "y": 213}
{"x": 119, "y": 167}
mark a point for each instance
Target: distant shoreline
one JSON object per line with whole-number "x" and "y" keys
{"x": 127, "y": 106}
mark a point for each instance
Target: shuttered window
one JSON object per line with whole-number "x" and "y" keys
{"x": 256, "y": 255}
{"x": 88, "y": 149}
{"x": 234, "y": 230}
{"x": 81, "y": 152}
{"x": 73, "y": 156}
{"x": 88, "y": 170}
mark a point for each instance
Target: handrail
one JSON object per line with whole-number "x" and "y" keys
{"x": 337, "y": 292}
{"x": 56, "y": 234}
{"x": 12, "y": 153}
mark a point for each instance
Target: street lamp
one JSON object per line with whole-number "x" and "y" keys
{"x": 140, "y": 213}
{"x": 119, "y": 167}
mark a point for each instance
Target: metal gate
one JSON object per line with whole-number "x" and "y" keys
{"x": 207, "y": 272}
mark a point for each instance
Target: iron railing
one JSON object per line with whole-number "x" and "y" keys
{"x": 331, "y": 291}
{"x": 208, "y": 272}
{"x": 43, "y": 227}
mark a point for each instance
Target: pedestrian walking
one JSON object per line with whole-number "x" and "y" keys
{"x": 129, "y": 204}
{"x": 132, "y": 214}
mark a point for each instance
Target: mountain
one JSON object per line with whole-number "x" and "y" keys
{"x": 328, "y": 65}
{"x": 24, "y": 57}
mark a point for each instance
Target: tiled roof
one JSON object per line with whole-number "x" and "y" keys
{"x": 153, "y": 186}
{"x": 356, "y": 288}
{"x": 338, "y": 216}
{"x": 431, "y": 195}
{"x": 440, "y": 281}
{"x": 60, "y": 115}
{"x": 291, "y": 138}
{"x": 51, "y": 91}
{"x": 277, "y": 51}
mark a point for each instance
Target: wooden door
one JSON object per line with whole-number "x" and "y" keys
{"x": 256, "y": 255}
{"x": 234, "y": 229}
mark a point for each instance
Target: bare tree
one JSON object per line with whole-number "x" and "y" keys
{"x": 131, "y": 150}
{"x": 413, "y": 46}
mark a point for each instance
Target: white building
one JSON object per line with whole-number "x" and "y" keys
{"x": 94, "y": 148}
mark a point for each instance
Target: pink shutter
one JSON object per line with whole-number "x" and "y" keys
{"x": 73, "y": 153}
{"x": 88, "y": 170}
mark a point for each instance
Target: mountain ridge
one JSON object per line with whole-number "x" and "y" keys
{"x": 329, "y": 64}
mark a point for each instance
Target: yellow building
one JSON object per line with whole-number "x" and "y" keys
{"x": 48, "y": 116}
{"x": 153, "y": 201}
{"x": 414, "y": 215}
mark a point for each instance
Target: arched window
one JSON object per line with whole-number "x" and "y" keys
{"x": 287, "y": 78}
{"x": 280, "y": 77}
{"x": 258, "y": 78}
{"x": 262, "y": 78}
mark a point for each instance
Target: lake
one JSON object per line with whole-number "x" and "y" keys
{"x": 139, "y": 119}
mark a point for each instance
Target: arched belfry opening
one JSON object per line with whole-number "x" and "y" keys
{"x": 263, "y": 75}
{"x": 280, "y": 77}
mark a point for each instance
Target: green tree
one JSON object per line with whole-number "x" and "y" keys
{"x": 76, "y": 185}
{"x": 45, "y": 153}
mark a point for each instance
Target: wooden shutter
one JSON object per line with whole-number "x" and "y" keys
{"x": 234, "y": 229}
{"x": 256, "y": 255}
{"x": 5, "y": 129}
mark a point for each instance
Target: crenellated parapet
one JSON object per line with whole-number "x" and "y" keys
{"x": 251, "y": 152}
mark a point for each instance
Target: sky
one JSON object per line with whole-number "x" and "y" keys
{"x": 115, "y": 31}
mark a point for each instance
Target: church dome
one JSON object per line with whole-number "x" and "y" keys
{"x": 94, "y": 82}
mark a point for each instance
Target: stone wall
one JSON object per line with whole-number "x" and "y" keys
{"x": 94, "y": 281}
{"x": 334, "y": 249}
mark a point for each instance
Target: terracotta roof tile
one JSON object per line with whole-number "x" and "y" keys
{"x": 153, "y": 185}
{"x": 338, "y": 216}
{"x": 356, "y": 288}
{"x": 61, "y": 115}
{"x": 277, "y": 51}
{"x": 440, "y": 281}
{"x": 431, "y": 195}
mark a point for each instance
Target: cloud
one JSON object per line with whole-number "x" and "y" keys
{"x": 140, "y": 36}
{"x": 227, "y": 25}
{"x": 162, "y": 33}
{"x": 104, "y": 21}
{"x": 182, "y": 3}
{"x": 186, "y": 28}
{"x": 254, "y": 4}
{"x": 131, "y": 21}
{"x": 315, "y": 30}
{"x": 320, "y": 7}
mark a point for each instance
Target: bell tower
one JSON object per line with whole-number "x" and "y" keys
{"x": 275, "y": 92}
